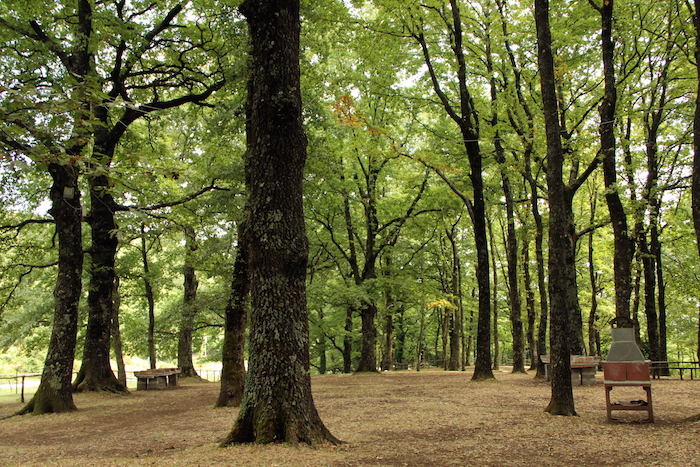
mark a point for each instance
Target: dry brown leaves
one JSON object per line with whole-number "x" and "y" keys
{"x": 429, "y": 418}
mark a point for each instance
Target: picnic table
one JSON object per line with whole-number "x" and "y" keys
{"x": 583, "y": 369}
{"x": 156, "y": 378}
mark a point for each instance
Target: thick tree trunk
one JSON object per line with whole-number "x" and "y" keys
{"x": 96, "y": 372}
{"x": 233, "y": 351}
{"x": 189, "y": 307}
{"x": 277, "y": 404}
{"x": 560, "y": 227}
{"x": 368, "y": 355}
{"x": 55, "y": 393}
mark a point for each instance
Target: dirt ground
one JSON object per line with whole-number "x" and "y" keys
{"x": 430, "y": 418}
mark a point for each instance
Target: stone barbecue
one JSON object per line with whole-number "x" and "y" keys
{"x": 625, "y": 366}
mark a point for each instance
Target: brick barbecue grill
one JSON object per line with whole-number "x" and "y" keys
{"x": 625, "y": 366}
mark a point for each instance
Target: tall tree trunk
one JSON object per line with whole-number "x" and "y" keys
{"x": 116, "y": 333}
{"x": 322, "y": 346}
{"x": 421, "y": 336}
{"x": 624, "y": 248}
{"x": 55, "y": 393}
{"x": 277, "y": 404}
{"x": 95, "y": 372}
{"x": 661, "y": 297}
{"x": 467, "y": 119}
{"x": 347, "y": 340}
{"x": 456, "y": 319}
{"x": 593, "y": 333}
{"x": 387, "y": 363}
{"x": 233, "y": 350}
{"x": 494, "y": 291}
{"x": 530, "y": 304}
{"x": 649, "y": 269}
{"x": 695, "y": 183}
{"x": 561, "y": 225}
{"x": 150, "y": 300}
{"x": 189, "y": 307}
{"x": 400, "y": 335}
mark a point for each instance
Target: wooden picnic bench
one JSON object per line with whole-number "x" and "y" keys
{"x": 156, "y": 378}
{"x": 658, "y": 368}
{"x": 583, "y": 369}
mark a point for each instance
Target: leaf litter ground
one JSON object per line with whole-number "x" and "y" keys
{"x": 427, "y": 418}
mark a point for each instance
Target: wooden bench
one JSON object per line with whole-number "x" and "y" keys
{"x": 583, "y": 369}
{"x": 657, "y": 368}
{"x": 156, "y": 378}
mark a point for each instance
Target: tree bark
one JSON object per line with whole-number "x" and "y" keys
{"x": 189, "y": 307}
{"x": 277, "y": 403}
{"x": 55, "y": 392}
{"x": 233, "y": 350}
{"x": 116, "y": 333}
{"x": 96, "y": 373}
{"x": 623, "y": 243}
{"x": 695, "y": 183}
{"x": 150, "y": 300}
{"x": 561, "y": 225}
{"x": 530, "y": 304}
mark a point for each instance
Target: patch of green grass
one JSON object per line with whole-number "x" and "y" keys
{"x": 7, "y": 397}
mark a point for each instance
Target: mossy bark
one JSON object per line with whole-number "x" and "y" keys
{"x": 55, "y": 393}
{"x": 277, "y": 403}
{"x": 233, "y": 357}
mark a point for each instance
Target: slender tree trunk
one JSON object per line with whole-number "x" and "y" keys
{"x": 150, "y": 300}
{"x": 624, "y": 248}
{"x": 347, "y": 341}
{"x": 593, "y": 333}
{"x": 116, "y": 333}
{"x": 661, "y": 295}
{"x": 55, "y": 393}
{"x": 695, "y": 184}
{"x": 277, "y": 404}
{"x": 322, "y": 347}
{"x": 400, "y": 335}
{"x": 456, "y": 317}
{"x": 560, "y": 228}
{"x": 189, "y": 308}
{"x": 421, "y": 335}
{"x": 388, "y": 353}
{"x": 530, "y": 304}
{"x": 233, "y": 351}
{"x": 495, "y": 337}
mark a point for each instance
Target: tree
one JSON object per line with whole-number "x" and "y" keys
{"x": 277, "y": 403}
{"x": 464, "y": 114}
{"x": 232, "y": 352}
{"x": 562, "y": 274}
{"x": 63, "y": 157}
{"x": 189, "y": 307}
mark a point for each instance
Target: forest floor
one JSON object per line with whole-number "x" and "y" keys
{"x": 427, "y": 418}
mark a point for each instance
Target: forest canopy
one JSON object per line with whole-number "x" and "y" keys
{"x": 426, "y": 186}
